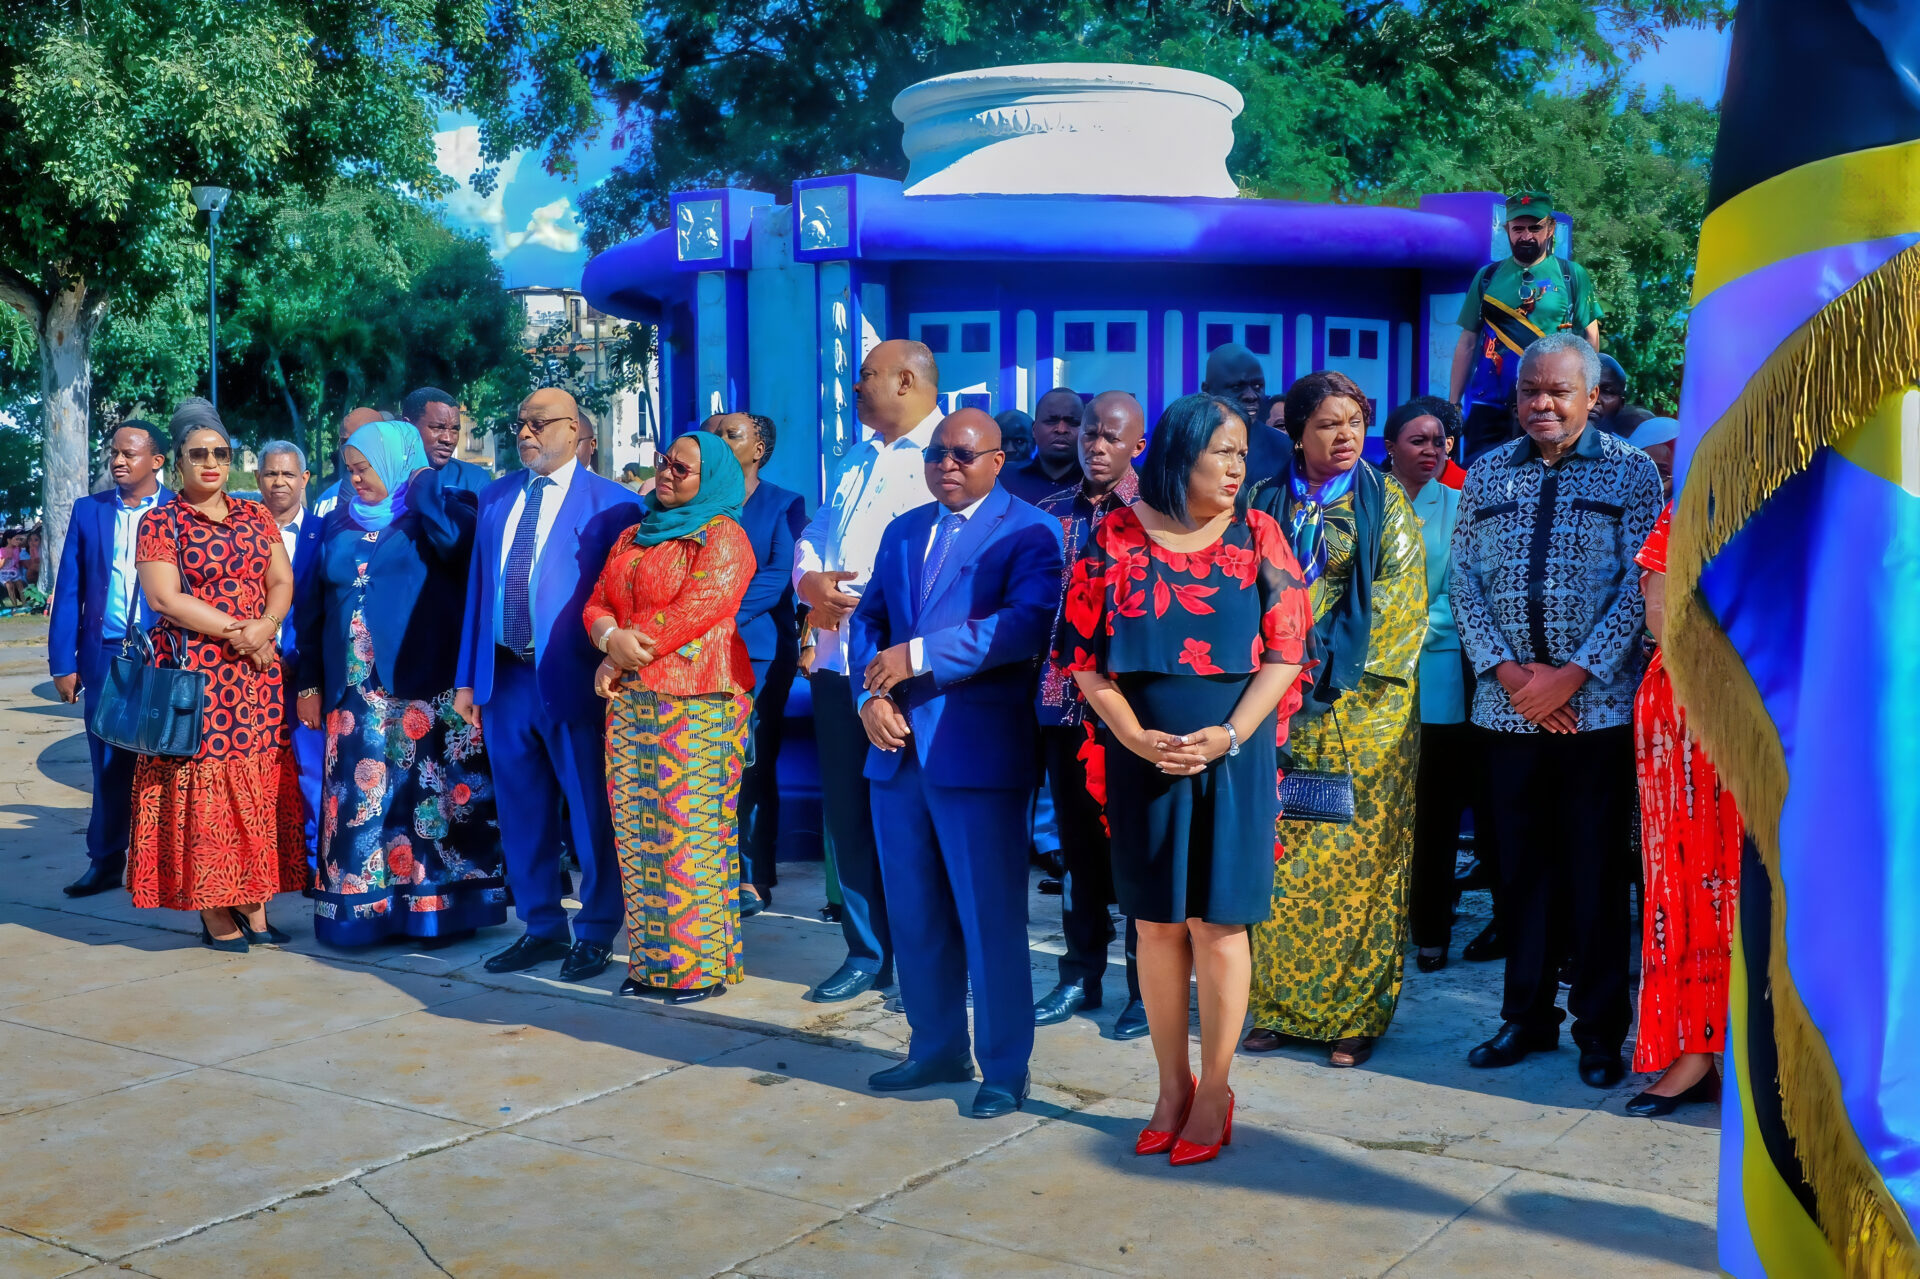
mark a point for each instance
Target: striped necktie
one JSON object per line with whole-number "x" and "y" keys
{"x": 937, "y": 557}
{"x": 516, "y": 616}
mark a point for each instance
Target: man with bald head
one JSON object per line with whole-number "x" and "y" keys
{"x": 898, "y": 399}
{"x": 959, "y": 606}
{"x": 525, "y": 676}
{"x": 1112, "y": 434}
{"x": 1055, "y": 463}
{"x": 1236, "y": 376}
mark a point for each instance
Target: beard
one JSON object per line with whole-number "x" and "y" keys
{"x": 1526, "y": 254}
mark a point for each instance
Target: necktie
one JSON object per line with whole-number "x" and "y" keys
{"x": 516, "y": 618}
{"x": 937, "y": 557}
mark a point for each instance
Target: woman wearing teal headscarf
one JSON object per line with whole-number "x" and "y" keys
{"x": 408, "y": 844}
{"x": 678, "y": 683}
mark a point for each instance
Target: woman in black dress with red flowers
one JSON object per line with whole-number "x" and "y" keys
{"x": 1187, "y": 626}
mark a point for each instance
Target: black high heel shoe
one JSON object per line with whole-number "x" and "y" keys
{"x": 1431, "y": 963}
{"x": 1650, "y": 1105}
{"x": 267, "y": 936}
{"x": 232, "y": 945}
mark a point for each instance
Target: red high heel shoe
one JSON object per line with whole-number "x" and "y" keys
{"x": 1153, "y": 1142}
{"x": 1192, "y": 1152}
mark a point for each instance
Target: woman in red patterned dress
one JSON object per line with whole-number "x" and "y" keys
{"x": 222, "y": 832}
{"x": 1691, "y": 837}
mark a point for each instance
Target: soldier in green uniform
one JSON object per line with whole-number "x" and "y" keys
{"x": 1508, "y": 305}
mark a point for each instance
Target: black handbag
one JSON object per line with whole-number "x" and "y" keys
{"x": 149, "y": 708}
{"x": 1307, "y": 795}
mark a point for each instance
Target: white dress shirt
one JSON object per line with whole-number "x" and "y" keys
{"x": 290, "y": 532}
{"x": 876, "y": 484}
{"x": 550, "y": 501}
{"x": 123, "y": 585}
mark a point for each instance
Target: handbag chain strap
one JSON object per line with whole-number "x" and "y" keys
{"x": 1346, "y": 765}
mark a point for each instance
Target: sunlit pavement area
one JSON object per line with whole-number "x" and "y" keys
{"x": 174, "y": 1112}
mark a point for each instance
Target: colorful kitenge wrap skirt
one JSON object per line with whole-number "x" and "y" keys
{"x": 673, "y": 781}
{"x": 408, "y": 842}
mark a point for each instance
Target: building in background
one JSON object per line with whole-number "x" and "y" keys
{"x": 562, "y": 326}
{"x": 1060, "y": 225}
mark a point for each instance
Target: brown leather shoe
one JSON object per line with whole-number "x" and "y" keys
{"x": 1350, "y": 1052}
{"x": 1262, "y": 1040}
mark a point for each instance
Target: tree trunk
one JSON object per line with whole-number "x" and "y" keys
{"x": 66, "y": 394}
{"x": 293, "y": 409}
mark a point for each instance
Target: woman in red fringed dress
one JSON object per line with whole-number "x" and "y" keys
{"x": 1691, "y": 837}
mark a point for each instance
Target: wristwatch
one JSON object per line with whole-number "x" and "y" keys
{"x": 1233, "y": 738}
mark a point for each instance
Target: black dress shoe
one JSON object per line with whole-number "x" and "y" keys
{"x": 232, "y": 945}
{"x": 830, "y": 913}
{"x": 751, "y": 902}
{"x": 667, "y": 995}
{"x": 1430, "y": 963}
{"x": 1132, "y": 1021}
{"x": 846, "y": 982}
{"x": 1488, "y": 945}
{"x": 1601, "y": 1067}
{"x": 992, "y": 1101}
{"x": 1064, "y": 1000}
{"x": 102, "y": 875}
{"x": 1511, "y": 1044}
{"x": 267, "y": 935}
{"x": 1051, "y": 887}
{"x": 911, "y": 1074}
{"x": 586, "y": 960}
{"x": 1652, "y": 1105}
{"x": 525, "y": 953}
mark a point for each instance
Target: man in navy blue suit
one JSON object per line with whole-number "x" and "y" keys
{"x": 947, "y": 639}
{"x": 283, "y": 477}
{"x": 525, "y": 678}
{"x": 96, "y": 598}
{"x": 436, "y": 415}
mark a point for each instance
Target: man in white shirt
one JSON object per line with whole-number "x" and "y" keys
{"x": 283, "y": 477}
{"x": 882, "y": 477}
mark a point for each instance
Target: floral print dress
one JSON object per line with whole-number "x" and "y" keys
{"x": 408, "y": 842}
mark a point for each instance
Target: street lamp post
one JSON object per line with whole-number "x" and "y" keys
{"x": 210, "y": 200}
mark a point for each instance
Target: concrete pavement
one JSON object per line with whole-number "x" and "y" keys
{"x": 172, "y": 1112}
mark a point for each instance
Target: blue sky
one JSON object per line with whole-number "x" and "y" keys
{"x": 531, "y": 222}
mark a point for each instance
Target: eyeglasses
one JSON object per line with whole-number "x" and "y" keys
{"x": 674, "y": 467}
{"x": 938, "y": 453}
{"x": 539, "y": 425}
{"x": 201, "y": 456}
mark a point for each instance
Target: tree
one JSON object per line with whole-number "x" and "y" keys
{"x": 109, "y": 112}
{"x": 1343, "y": 100}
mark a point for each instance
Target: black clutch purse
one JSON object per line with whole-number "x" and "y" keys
{"x": 149, "y": 708}
{"x": 1310, "y": 796}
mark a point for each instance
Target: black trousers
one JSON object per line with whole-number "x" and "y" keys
{"x": 1088, "y": 885}
{"x": 1487, "y": 427}
{"x": 759, "y": 818}
{"x": 847, "y": 804}
{"x": 1562, "y": 806}
{"x": 1449, "y": 782}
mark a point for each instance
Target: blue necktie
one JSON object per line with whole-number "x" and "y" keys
{"x": 516, "y": 618}
{"x": 936, "y": 558}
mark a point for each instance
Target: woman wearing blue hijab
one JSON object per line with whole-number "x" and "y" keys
{"x": 678, "y": 680}
{"x": 408, "y": 844}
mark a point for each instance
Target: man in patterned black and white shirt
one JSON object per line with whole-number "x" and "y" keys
{"x": 1547, "y": 597}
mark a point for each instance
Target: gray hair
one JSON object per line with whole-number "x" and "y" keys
{"x": 271, "y": 447}
{"x": 1554, "y": 344}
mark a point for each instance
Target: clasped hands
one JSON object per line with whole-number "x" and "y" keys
{"x": 1540, "y": 692}
{"x": 1177, "y": 755}
{"x": 627, "y": 649}
{"x": 254, "y": 640}
{"x": 885, "y": 722}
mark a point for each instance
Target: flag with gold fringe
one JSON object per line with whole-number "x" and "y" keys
{"x": 1794, "y": 626}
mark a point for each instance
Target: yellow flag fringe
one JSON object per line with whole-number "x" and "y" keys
{"x": 1821, "y": 384}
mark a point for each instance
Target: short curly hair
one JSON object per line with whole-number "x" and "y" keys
{"x": 1308, "y": 393}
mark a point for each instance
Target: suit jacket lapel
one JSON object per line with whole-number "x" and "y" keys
{"x": 973, "y": 535}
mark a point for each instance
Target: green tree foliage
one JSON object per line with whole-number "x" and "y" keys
{"x": 109, "y": 112}
{"x": 1349, "y": 100}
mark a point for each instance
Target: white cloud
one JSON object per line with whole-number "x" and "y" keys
{"x": 458, "y": 156}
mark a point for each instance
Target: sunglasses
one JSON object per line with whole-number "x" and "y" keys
{"x": 219, "y": 453}
{"x": 674, "y": 467}
{"x": 538, "y": 425}
{"x": 938, "y": 453}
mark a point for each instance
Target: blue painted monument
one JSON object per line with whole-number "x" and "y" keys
{"x": 1070, "y": 224}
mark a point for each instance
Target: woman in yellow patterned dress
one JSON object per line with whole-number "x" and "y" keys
{"x": 1327, "y": 963}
